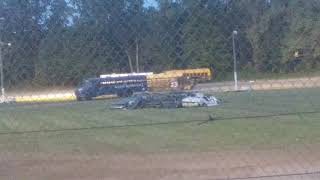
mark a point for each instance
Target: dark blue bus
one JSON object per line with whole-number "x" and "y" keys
{"x": 121, "y": 86}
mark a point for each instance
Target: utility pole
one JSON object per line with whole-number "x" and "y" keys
{"x": 137, "y": 55}
{"x": 1, "y": 74}
{"x": 1, "y": 69}
{"x": 234, "y": 33}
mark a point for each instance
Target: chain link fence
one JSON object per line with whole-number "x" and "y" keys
{"x": 260, "y": 57}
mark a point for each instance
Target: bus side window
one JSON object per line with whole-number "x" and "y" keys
{"x": 99, "y": 85}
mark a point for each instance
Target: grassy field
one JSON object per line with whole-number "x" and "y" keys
{"x": 149, "y": 135}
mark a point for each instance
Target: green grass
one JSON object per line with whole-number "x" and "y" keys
{"x": 231, "y": 133}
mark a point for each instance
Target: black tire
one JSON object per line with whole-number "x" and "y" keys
{"x": 120, "y": 94}
{"x": 140, "y": 105}
{"x": 80, "y": 99}
{"x": 178, "y": 104}
{"x": 161, "y": 105}
{"x": 203, "y": 105}
{"x": 128, "y": 93}
{"x": 88, "y": 98}
{"x": 169, "y": 105}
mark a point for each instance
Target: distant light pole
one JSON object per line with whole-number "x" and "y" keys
{"x": 1, "y": 69}
{"x": 234, "y": 33}
{"x": 1, "y": 74}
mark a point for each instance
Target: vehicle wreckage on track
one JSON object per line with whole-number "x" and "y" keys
{"x": 166, "y": 100}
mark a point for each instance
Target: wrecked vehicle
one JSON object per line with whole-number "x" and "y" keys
{"x": 166, "y": 100}
{"x": 200, "y": 100}
{"x": 127, "y": 103}
{"x": 148, "y": 100}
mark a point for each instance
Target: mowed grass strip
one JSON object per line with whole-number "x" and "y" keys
{"x": 233, "y": 130}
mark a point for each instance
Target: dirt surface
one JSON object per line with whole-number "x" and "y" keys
{"x": 282, "y": 164}
{"x": 263, "y": 84}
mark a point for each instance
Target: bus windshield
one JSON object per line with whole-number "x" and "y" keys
{"x": 85, "y": 83}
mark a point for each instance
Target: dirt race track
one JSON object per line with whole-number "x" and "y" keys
{"x": 276, "y": 164}
{"x": 266, "y": 84}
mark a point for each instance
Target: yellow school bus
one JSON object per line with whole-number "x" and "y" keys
{"x": 202, "y": 74}
{"x": 178, "y": 79}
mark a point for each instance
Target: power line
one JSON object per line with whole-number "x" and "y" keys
{"x": 211, "y": 119}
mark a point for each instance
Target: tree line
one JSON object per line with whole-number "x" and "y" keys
{"x": 60, "y": 42}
